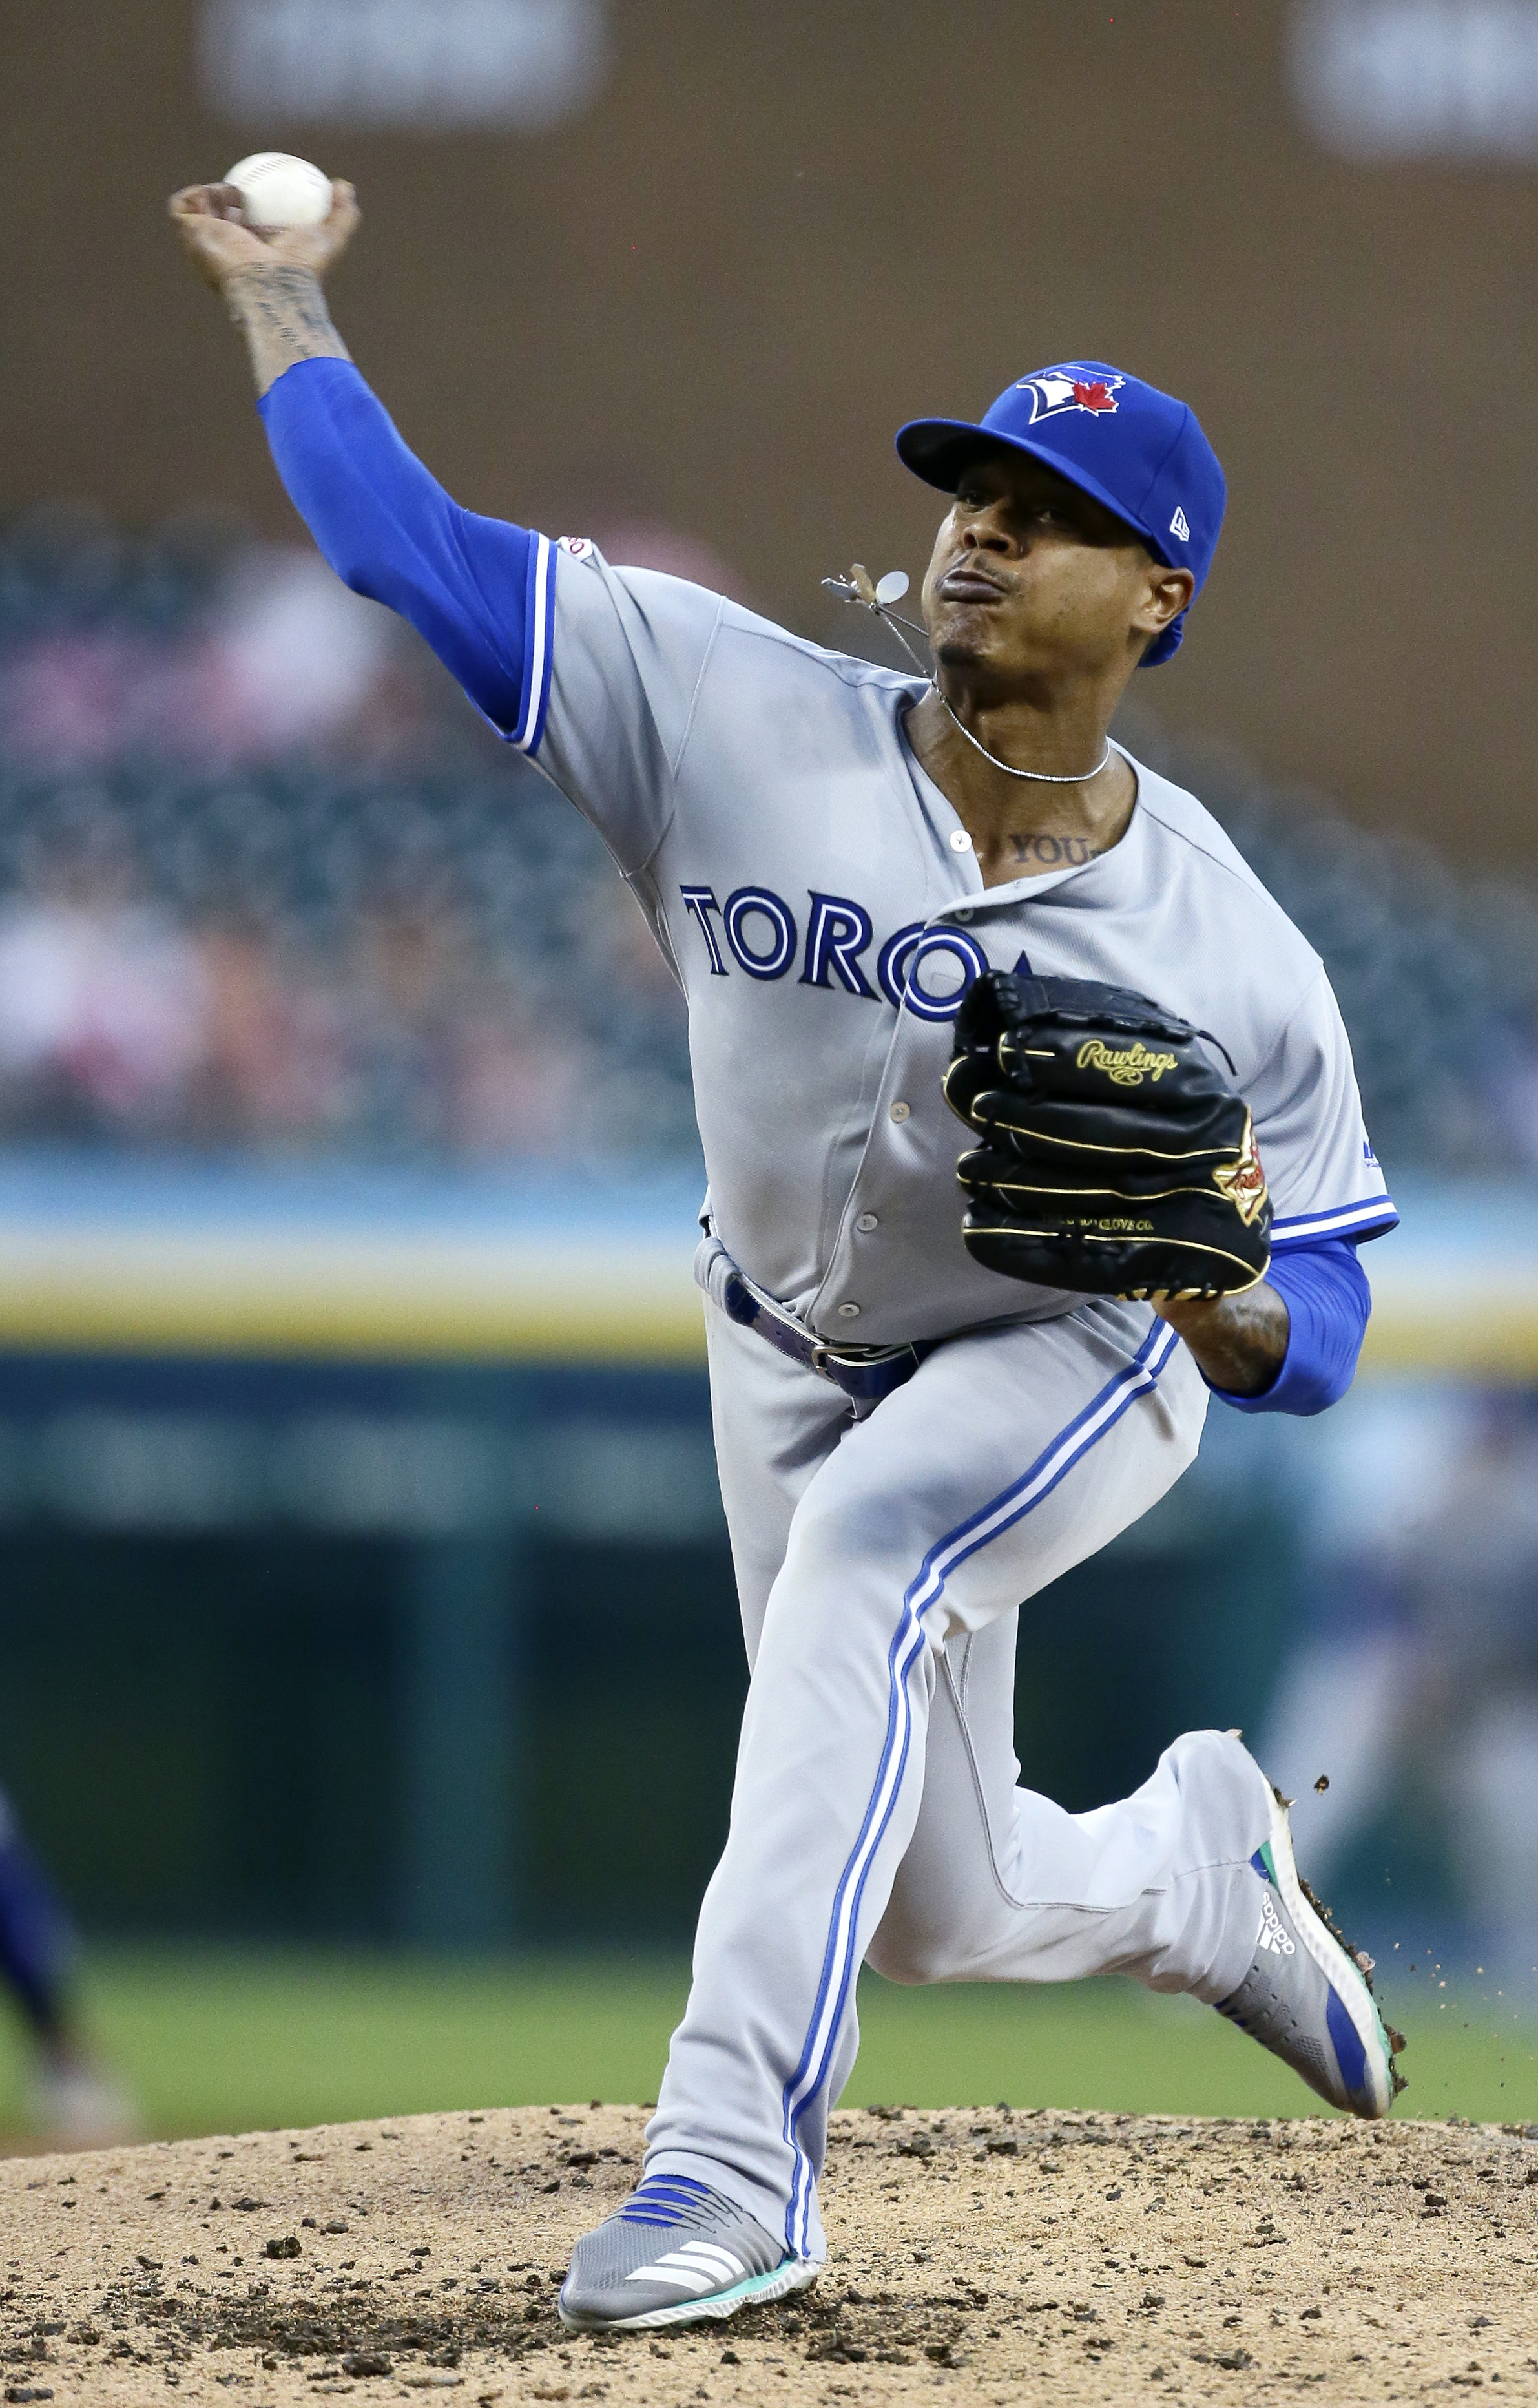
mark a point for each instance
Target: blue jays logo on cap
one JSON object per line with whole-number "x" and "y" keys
{"x": 1138, "y": 450}
{"x": 1074, "y": 387}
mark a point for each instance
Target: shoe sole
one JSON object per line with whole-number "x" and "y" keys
{"x": 1340, "y": 1970}
{"x": 791, "y": 2274}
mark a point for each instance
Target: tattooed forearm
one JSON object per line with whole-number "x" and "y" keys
{"x": 1240, "y": 1341}
{"x": 283, "y": 313}
{"x": 1053, "y": 852}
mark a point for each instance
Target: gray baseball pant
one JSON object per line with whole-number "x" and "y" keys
{"x": 874, "y": 1814}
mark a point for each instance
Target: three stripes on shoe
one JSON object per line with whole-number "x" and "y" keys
{"x": 675, "y": 2202}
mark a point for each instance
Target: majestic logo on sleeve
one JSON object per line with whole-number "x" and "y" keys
{"x": 1056, "y": 390}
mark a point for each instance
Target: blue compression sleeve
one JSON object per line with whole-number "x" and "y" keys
{"x": 468, "y": 585}
{"x": 1327, "y": 1301}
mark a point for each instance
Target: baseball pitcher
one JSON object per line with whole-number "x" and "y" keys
{"x": 917, "y": 917}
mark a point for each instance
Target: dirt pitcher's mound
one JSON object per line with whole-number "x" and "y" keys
{"x": 987, "y": 2255}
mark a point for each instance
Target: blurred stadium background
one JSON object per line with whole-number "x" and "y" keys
{"x": 369, "y": 1668}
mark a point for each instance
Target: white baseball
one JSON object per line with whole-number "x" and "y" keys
{"x": 276, "y": 190}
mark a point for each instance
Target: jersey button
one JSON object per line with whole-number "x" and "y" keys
{"x": 849, "y": 1313}
{"x": 965, "y": 917}
{"x": 866, "y": 1222}
{"x": 959, "y": 840}
{"x": 901, "y": 1111}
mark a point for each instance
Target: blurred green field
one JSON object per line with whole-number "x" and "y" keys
{"x": 226, "y": 2041}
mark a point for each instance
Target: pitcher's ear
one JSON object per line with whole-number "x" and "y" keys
{"x": 1171, "y": 591}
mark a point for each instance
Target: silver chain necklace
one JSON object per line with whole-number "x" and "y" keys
{"x": 1038, "y": 777}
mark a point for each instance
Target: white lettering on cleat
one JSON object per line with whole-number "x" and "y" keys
{"x": 1272, "y": 1934}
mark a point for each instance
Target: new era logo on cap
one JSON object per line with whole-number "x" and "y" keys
{"x": 1180, "y": 526}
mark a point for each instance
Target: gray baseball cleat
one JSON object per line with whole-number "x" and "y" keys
{"x": 1306, "y": 1996}
{"x": 676, "y": 2253}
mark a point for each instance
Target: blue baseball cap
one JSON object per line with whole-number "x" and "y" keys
{"x": 1138, "y": 450}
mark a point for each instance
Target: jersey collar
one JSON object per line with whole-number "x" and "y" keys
{"x": 1107, "y": 870}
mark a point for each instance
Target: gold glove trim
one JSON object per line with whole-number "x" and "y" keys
{"x": 1069, "y": 1194}
{"x": 1088, "y": 1237}
{"x": 1087, "y": 1145}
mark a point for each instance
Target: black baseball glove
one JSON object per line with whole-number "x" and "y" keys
{"x": 1115, "y": 1158}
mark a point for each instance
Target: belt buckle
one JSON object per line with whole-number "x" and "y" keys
{"x": 827, "y": 1352}
{"x": 858, "y": 1358}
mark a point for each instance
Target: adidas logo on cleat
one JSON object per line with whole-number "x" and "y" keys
{"x": 698, "y": 2267}
{"x": 1272, "y": 1935}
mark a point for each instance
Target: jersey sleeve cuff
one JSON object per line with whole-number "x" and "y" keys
{"x": 1372, "y": 1216}
{"x": 539, "y": 625}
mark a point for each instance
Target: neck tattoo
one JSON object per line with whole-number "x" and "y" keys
{"x": 1054, "y": 852}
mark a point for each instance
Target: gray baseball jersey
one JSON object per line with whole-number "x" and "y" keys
{"x": 821, "y": 905}
{"x": 822, "y": 908}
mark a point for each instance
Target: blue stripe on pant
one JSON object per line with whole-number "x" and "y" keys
{"x": 1001, "y": 1513}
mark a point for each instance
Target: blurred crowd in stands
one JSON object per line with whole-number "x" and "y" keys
{"x": 267, "y": 883}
